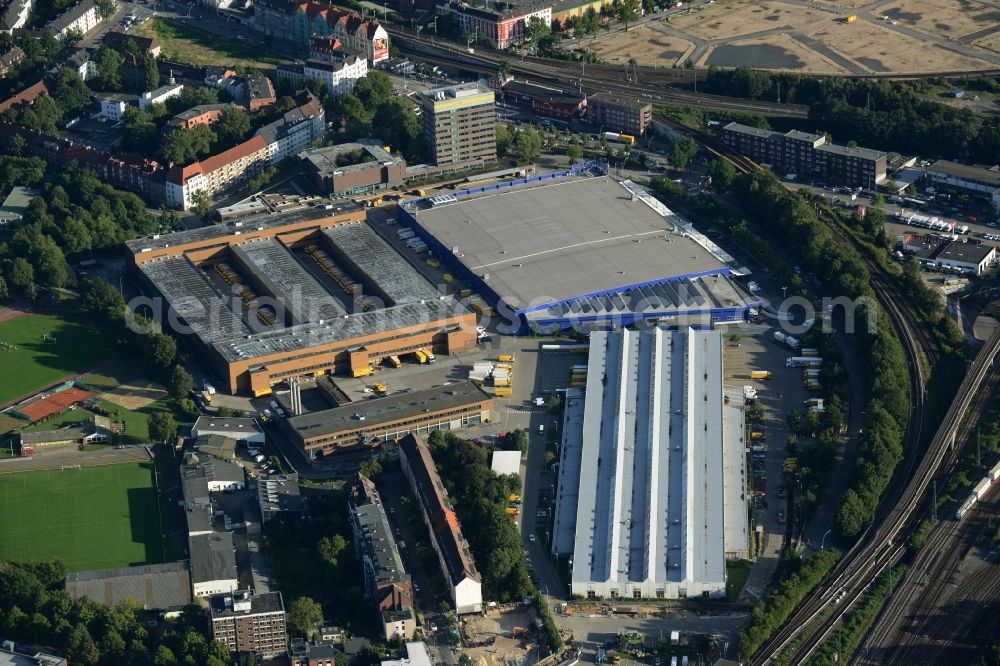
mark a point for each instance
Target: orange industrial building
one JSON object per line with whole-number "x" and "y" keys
{"x": 295, "y": 286}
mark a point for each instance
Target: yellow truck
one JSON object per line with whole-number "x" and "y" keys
{"x": 756, "y": 436}
{"x": 851, "y": 18}
{"x": 392, "y": 361}
{"x": 420, "y": 355}
{"x": 362, "y": 372}
{"x": 504, "y": 391}
{"x": 428, "y": 354}
{"x": 380, "y": 389}
{"x": 261, "y": 392}
{"x": 760, "y": 374}
{"x": 506, "y": 358}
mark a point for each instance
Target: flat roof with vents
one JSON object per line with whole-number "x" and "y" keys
{"x": 580, "y": 247}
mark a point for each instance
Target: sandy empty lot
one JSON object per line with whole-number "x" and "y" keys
{"x": 646, "y": 44}
{"x": 135, "y": 394}
{"x": 881, "y": 49}
{"x": 991, "y": 42}
{"x": 798, "y": 56}
{"x": 943, "y": 17}
{"x": 744, "y": 18}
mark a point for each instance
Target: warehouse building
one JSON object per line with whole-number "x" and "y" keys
{"x": 279, "y": 497}
{"x": 373, "y": 422}
{"x": 163, "y": 587}
{"x": 294, "y": 286}
{"x": 978, "y": 181}
{"x": 943, "y": 254}
{"x": 652, "y": 474}
{"x": 459, "y": 124}
{"x": 808, "y": 155}
{"x": 543, "y": 100}
{"x": 213, "y": 564}
{"x": 360, "y": 167}
{"x": 387, "y": 585}
{"x": 579, "y": 249}
{"x": 241, "y": 430}
{"x": 457, "y": 565}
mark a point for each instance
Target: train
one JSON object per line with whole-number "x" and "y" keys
{"x": 627, "y": 139}
{"x": 979, "y": 491}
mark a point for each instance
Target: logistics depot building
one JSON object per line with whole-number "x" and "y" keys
{"x": 652, "y": 474}
{"x": 579, "y": 249}
{"x": 295, "y": 286}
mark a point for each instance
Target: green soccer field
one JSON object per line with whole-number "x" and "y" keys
{"x": 34, "y": 363}
{"x": 90, "y": 518}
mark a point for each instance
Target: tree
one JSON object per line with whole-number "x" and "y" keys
{"x": 80, "y": 647}
{"x": 627, "y": 11}
{"x": 503, "y": 139}
{"x": 464, "y": 660}
{"x": 682, "y": 151}
{"x": 109, "y": 68}
{"x": 21, "y": 273}
{"x": 151, "y": 74}
{"x": 201, "y": 203}
{"x": 527, "y": 144}
{"x": 574, "y": 152}
{"x": 233, "y": 126}
{"x": 43, "y": 115}
{"x": 70, "y": 91}
{"x": 162, "y": 427}
{"x": 305, "y": 615}
{"x": 162, "y": 350}
{"x": 183, "y": 146}
{"x": 396, "y": 123}
{"x": 330, "y": 548}
{"x": 373, "y": 90}
{"x": 139, "y": 132}
{"x": 723, "y": 174}
{"x": 72, "y": 36}
{"x": 4, "y": 291}
{"x": 181, "y": 382}
{"x": 536, "y": 30}
{"x": 505, "y": 68}
{"x": 106, "y": 8}
{"x": 99, "y": 297}
{"x": 371, "y": 467}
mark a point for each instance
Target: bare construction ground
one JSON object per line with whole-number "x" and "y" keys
{"x": 504, "y": 640}
{"x": 135, "y": 394}
{"x": 895, "y": 37}
{"x": 647, "y": 45}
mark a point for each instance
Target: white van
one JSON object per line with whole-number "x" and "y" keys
{"x": 541, "y": 429}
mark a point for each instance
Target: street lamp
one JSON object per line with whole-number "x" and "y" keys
{"x": 783, "y": 290}
{"x": 385, "y": 11}
{"x": 821, "y": 543}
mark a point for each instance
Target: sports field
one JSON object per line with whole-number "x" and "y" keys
{"x": 90, "y": 518}
{"x": 31, "y": 362}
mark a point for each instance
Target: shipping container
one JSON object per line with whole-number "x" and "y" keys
{"x": 803, "y": 362}
{"x": 611, "y": 136}
{"x": 981, "y": 488}
{"x": 504, "y": 392}
{"x": 760, "y": 374}
{"x": 778, "y": 336}
{"x": 792, "y": 342}
{"x": 809, "y": 351}
{"x": 995, "y": 472}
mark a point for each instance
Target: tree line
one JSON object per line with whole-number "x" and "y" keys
{"x": 35, "y": 609}
{"x": 480, "y": 498}
{"x": 887, "y": 115}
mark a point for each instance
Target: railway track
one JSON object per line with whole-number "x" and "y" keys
{"x": 568, "y": 74}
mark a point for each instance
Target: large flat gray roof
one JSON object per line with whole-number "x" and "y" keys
{"x": 212, "y": 557}
{"x": 155, "y": 586}
{"x": 563, "y": 238}
{"x": 389, "y": 408}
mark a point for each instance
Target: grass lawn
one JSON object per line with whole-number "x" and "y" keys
{"x": 737, "y": 573}
{"x": 183, "y": 43}
{"x": 90, "y": 518}
{"x": 135, "y": 421}
{"x": 8, "y": 423}
{"x": 35, "y": 364}
{"x": 66, "y": 418}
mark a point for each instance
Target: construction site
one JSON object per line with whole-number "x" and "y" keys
{"x": 284, "y": 287}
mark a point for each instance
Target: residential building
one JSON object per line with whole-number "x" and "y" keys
{"x": 12, "y": 210}
{"x": 83, "y": 16}
{"x": 83, "y": 63}
{"x": 250, "y": 623}
{"x": 505, "y": 27}
{"x": 543, "y": 100}
{"x": 652, "y": 479}
{"x": 348, "y": 169}
{"x": 298, "y": 22}
{"x": 416, "y": 655}
{"x": 615, "y": 114}
{"x": 119, "y": 41}
{"x": 564, "y": 9}
{"x": 14, "y": 14}
{"x": 18, "y": 654}
{"x": 459, "y": 123}
{"x": 10, "y": 58}
{"x": 213, "y": 564}
{"x": 339, "y": 73}
{"x": 113, "y": 105}
{"x": 808, "y": 155}
{"x": 454, "y": 557}
{"x": 217, "y": 172}
{"x": 979, "y": 181}
{"x": 368, "y": 424}
{"x": 387, "y": 585}
{"x": 160, "y": 95}
{"x": 259, "y": 93}
{"x": 241, "y": 430}
{"x": 26, "y": 96}
{"x": 302, "y": 653}
{"x": 203, "y": 114}
{"x": 279, "y": 497}
{"x": 216, "y": 75}
{"x": 296, "y": 130}
{"x": 162, "y": 587}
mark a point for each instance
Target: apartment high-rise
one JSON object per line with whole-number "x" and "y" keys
{"x": 248, "y": 622}
{"x": 460, "y": 123}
